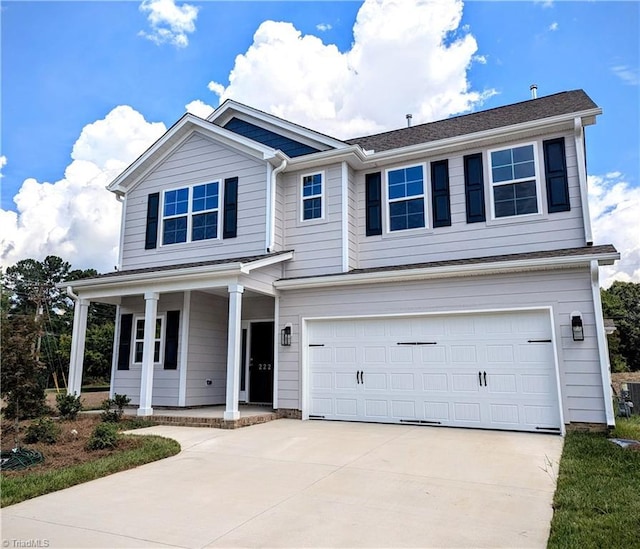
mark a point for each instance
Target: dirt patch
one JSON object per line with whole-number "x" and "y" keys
{"x": 90, "y": 401}
{"x": 618, "y": 379}
{"x": 70, "y": 448}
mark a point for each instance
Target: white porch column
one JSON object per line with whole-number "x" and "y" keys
{"x": 78, "y": 337}
{"x": 233, "y": 351}
{"x": 146, "y": 381}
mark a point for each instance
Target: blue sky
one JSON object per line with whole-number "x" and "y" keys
{"x": 67, "y": 65}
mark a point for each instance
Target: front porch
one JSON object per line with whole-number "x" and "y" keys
{"x": 210, "y": 416}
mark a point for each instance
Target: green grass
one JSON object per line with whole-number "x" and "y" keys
{"x": 597, "y": 501}
{"x": 17, "y": 489}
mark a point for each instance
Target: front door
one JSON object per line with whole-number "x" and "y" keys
{"x": 261, "y": 362}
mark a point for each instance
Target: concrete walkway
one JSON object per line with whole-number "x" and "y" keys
{"x": 290, "y": 483}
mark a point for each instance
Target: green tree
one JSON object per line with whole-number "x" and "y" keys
{"x": 621, "y": 302}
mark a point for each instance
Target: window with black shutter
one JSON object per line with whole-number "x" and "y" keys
{"x": 441, "y": 205}
{"x": 474, "y": 188}
{"x": 151, "y": 237}
{"x": 373, "y": 197}
{"x": 555, "y": 168}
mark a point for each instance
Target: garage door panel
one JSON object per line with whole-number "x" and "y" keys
{"x": 426, "y": 369}
{"x": 466, "y": 411}
{"x": 464, "y": 354}
{"x": 505, "y": 414}
{"x": 436, "y": 411}
{"x": 465, "y": 382}
{"x": 347, "y": 408}
{"x": 403, "y": 409}
{"x": 433, "y": 354}
{"x": 435, "y": 382}
{"x": 502, "y": 383}
{"x": 374, "y": 355}
{"x": 402, "y": 382}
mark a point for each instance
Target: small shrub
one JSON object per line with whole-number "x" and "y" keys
{"x": 68, "y": 405}
{"x": 42, "y": 430}
{"x": 113, "y": 408}
{"x": 104, "y": 436}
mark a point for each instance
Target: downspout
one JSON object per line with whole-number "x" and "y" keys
{"x": 71, "y": 294}
{"x": 603, "y": 353}
{"x": 582, "y": 178}
{"x": 120, "y": 197}
{"x": 272, "y": 212}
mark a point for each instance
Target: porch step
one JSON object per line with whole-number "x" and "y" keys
{"x": 213, "y": 422}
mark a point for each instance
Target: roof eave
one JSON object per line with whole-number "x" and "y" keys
{"x": 448, "y": 271}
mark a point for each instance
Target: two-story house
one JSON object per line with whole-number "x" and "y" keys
{"x": 439, "y": 274}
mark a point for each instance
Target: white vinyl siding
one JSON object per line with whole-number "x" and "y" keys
{"x": 196, "y": 161}
{"x": 468, "y": 240}
{"x": 563, "y": 291}
{"x": 165, "y": 382}
{"x": 317, "y": 243}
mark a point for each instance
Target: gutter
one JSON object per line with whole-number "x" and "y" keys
{"x": 271, "y": 222}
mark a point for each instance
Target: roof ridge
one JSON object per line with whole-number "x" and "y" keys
{"x": 459, "y": 116}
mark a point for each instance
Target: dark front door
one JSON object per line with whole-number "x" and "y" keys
{"x": 261, "y": 362}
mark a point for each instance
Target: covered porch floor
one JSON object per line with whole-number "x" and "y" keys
{"x": 209, "y": 416}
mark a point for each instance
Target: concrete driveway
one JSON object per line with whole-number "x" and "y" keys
{"x": 290, "y": 483}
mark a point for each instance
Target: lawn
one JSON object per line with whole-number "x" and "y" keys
{"x": 68, "y": 462}
{"x": 597, "y": 501}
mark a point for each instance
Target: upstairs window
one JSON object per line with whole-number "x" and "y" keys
{"x": 514, "y": 183}
{"x": 138, "y": 340}
{"x": 312, "y": 196}
{"x": 406, "y": 198}
{"x": 190, "y": 214}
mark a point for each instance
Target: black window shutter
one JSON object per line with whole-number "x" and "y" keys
{"x": 230, "y": 223}
{"x": 555, "y": 168}
{"x": 171, "y": 340}
{"x": 441, "y": 205}
{"x": 153, "y": 203}
{"x": 373, "y": 197}
{"x": 474, "y": 188}
{"x": 124, "y": 341}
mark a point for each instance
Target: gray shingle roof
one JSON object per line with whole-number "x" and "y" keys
{"x": 517, "y": 113}
{"x": 547, "y": 254}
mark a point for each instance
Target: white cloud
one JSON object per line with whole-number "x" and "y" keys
{"x": 3, "y": 163}
{"x": 199, "y": 108}
{"x": 627, "y": 74}
{"x": 553, "y": 26}
{"x": 614, "y": 206}
{"x": 169, "y": 23}
{"x": 482, "y": 59}
{"x": 544, "y": 3}
{"x": 323, "y": 27}
{"x": 76, "y": 218}
{"x": 401, "y": 61}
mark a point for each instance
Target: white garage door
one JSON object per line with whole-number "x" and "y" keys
{"x": 490, "y": 370}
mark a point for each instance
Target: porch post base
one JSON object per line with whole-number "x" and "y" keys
{"x": 231, "y": 415}
{"x": 145, "y": 411}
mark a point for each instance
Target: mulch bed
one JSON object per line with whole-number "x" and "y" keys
{"x": 70, "y": 448}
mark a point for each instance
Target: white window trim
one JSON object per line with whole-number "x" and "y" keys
{"x": 426, "y": 196}
{"x": 322, "y": 196}
{"x": 537, "y": 178}
{"x": 190, "y": 213}
{"x": 163, "y": 325}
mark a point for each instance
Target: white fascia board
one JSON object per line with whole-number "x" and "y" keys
{"x": 475, "y": 138}
{"x": 225, "y": 112}
{"x": 472, "y": 269}
{"x": 176, "y": 135}
{"x": 246, "y": 268}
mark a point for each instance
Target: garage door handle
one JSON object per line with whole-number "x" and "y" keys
{"x": 480, "y": 378}
{"x": 417, "y": 343}
{"x": 485, "y": 379}
{"x": 539, "y": 341}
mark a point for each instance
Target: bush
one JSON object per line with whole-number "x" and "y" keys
{"x": 104, "y": 436}
{"x": 42, "y": 430}
{"x": 113, "y": 408}
{"x": 68, "y": 405}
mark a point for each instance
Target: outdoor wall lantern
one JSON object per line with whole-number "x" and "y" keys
{"x": 285, "y": 336}
{"x": 577, "y": 329}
